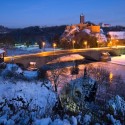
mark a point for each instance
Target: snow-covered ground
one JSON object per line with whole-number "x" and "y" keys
{"x": 40, "y": 95}
{"x": 26, "y": 50}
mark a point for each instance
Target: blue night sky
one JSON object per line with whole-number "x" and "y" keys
{"x": 23, "y": 13}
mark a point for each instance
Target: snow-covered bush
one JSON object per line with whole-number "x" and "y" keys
{"x": 24, "y": 102}
{"x": 87, "y": 119}
{"x": 30, "y": 75}
{"x": 117, "y": 105}
{"x": 2, "y": 65}
{"x": 112, "y": 120}
{"x": 13, "y": 71}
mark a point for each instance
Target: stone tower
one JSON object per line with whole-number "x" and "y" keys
{"x": 82, "y": 18}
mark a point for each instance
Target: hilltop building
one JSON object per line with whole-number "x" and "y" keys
{"x": 81, "y": 26}
{"x": 88, "y": 27}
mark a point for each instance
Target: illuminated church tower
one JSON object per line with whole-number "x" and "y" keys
{"x": 82, "y": 18}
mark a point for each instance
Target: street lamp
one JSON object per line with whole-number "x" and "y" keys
{"x": 117, "y": 42}
{"x": 43, "y": 45}
{"x": 54, "y": 46}
{"x": 97, "y": 43}
{"x": 110, "y": 43}
{"x": 85, "y": 43}
{"x": 73, "y": 42}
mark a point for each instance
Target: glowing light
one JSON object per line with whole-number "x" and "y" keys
{"x": 97, "y": 43}
{"x": 85, "y": 43}
{"x": 43, "y": 43}
{"x": 54, "y": 45}
{"x": 110, "y": 76}
{"x": 73, "y": 42}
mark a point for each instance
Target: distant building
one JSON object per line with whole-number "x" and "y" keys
{"x": 82, "y": 19}
{"x": 117, "y": 34}
{"x": 105, "y": 25}
{"x": 82, "y": 26}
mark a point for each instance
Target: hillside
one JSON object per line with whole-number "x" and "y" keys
{"x": 31, "y": 34}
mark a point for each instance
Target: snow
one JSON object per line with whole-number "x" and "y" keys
{"x": 114, "y": 121}
{"x": 74, "y": 120}
{"x": 21, "y": 93}
{"x": 14, "y": 67}
{"x": 45, "y": 121}
{"x": 33, "y": 93}
{"x": 117, "y": 104}
{"x": 117, "y": 34}
{"x": 26, "y": 50}
{"x": 71, "y": 57}
{"x": 60, "y": 122}
{"x": 87, "y": 119}
{"x": 76, "y": 29}
{"x": 45, "y": 98}
{"x": 27, "y": 90}
{"x": 101, "y": 37}
{"x": 1, "y": 51}
{"x": 87, "y": 31}
{"x": 30, "y": 74}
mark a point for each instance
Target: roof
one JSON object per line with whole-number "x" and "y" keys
{"x": 1, "y": 51}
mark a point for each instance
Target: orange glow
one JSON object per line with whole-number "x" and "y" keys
{"x": 85, "y": 43}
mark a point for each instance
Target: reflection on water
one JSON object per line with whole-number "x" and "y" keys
{"x": 114, "y": 69}
{"x": 116, "y": 66}
{"x": 110, "y": 76}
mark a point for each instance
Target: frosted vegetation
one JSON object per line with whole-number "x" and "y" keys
{"x": 25, "y": 98}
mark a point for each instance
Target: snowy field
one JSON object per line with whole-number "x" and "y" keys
{"x": 26, "y": 50}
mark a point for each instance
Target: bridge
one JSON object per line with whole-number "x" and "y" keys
{"x": 45, "y": 57}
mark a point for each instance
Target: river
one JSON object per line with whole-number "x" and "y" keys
{"x": 116, "y": 66}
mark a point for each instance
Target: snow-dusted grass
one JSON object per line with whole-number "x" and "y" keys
{"x": 27, "y": 50}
